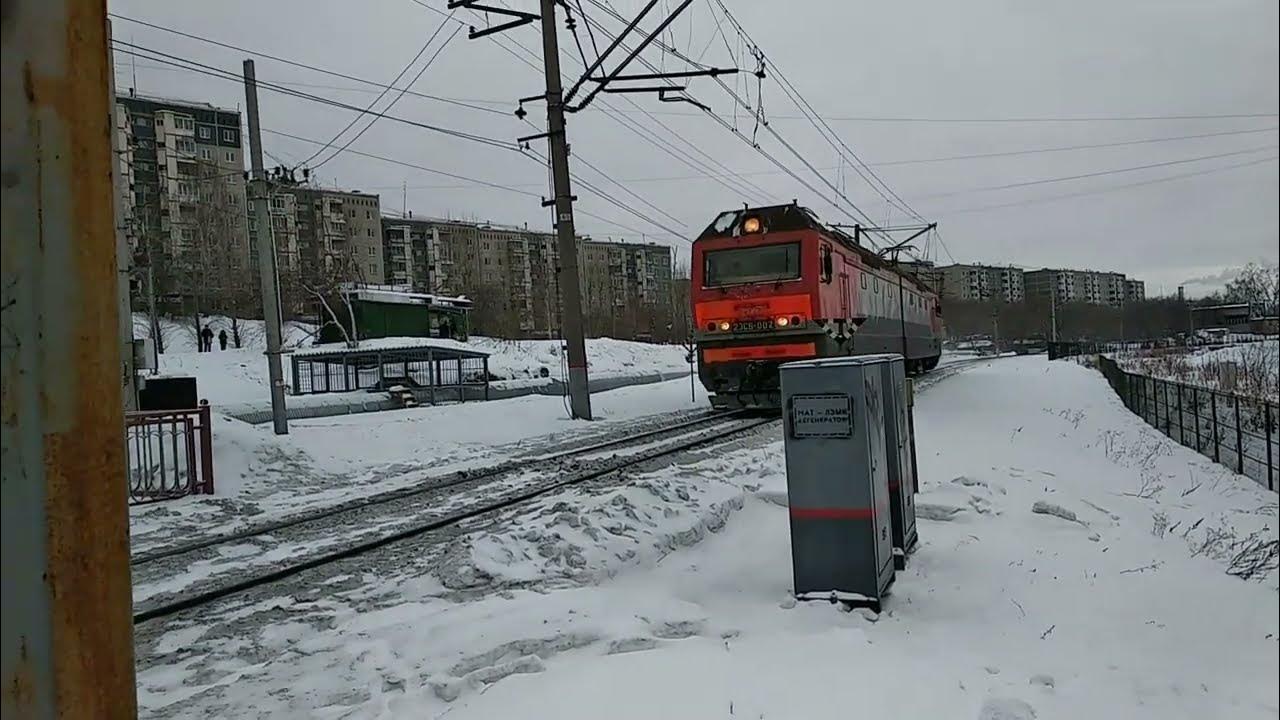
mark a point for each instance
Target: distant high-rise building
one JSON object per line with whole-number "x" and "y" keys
{"x": 326, "y": 232}
{"x": 1085, "y": 286}
{"x": 1136, "y": 291}
{"x": 982, "y": 282}
{"x": 511, "y": 275}
{"x": 184, "y": 190}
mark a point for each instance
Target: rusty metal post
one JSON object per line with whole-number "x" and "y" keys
{"x": 1195, "y": 409}
{"x": 1213, "y": 409}
{"x": 1269, "y": 427}
{"x": 1239, "y": 439}
{"x": 206, "y": 448}
{"x": 67, "y": 639}
{"x": 1182, "y": 425}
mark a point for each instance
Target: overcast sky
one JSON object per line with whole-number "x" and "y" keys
{"x": 898, "y": 81}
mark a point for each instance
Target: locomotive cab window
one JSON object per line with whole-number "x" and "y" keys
{"x": 827, "y": 269}
{"x": 760, "y": 264}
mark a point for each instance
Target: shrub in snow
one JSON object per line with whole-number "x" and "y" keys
{"x": 1047, "y": 508}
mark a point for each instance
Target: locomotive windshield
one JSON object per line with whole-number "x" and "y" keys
{"x": 761, "y": 264}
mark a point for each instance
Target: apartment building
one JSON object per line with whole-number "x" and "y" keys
{"x": 1085, "y": 286}
{"x": 184, "y": 187}
{"x": 324, "y": 231}
{"x": 511, "y": 273}
{"x": 1134, "y": 290}
{"x": 982, "y": 282}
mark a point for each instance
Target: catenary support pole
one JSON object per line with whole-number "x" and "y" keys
{"x": 571, "y": 317}
{"x": 66, "y": 649}
{"x": 266, "y": 255}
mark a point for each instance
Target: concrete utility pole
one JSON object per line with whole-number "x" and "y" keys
{"x": 266, "y": 255}
{"x": 1053, "y": 314}
{"x": 66, "y": 648}
{"x": 124, "y": 261}
{"x": 571, "y": 318}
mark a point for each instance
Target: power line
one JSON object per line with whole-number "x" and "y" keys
{"x": 445, "y": 173}
{"x": 394, "y": 100}
{"x": 216, "y": 72}
{"x": 1111, "y": 189}
{"x": 751, "y": 142}
{"x": 223, "y": 74}
{"x": 839, "y": 118}
{"x": 946, "y": 158}
{"x": 647, "y": 135}
{"x": 381, "y": 95}
{"x": 1067, "y": 148}
{"x": 824, "y": 129}
{"x": 305, "y": 66}
{"x": 1101, "y": 173}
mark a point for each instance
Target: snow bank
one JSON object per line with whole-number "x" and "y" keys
{"x": 1003, "y": 613}
{"x": 326, "y": 461}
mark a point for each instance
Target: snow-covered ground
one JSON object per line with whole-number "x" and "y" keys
{"x": 1250, "y": 368}
{"x": 239, "y": 377}
{"x": 260, "y": 476}
{"x": 667, "y": 594}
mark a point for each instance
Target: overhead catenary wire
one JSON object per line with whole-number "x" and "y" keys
{"x": 1101, "y": 173}
{"x": 476, "y": 104}
{"x": 945, "y": 158}
{"x": 228, "y": 75}
{"x": 858, "y": 215}
{"x": 751, "y": 190}
{"x": 383, "y": 94}
{"x": 819, "y": 124}
{"x": 306, "y": 66}
{"x": 1110, "y": 189}
{"x": 212, "y": 71}
{"x": 445, "y": 173}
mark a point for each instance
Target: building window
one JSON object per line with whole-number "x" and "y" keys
{"x": 371, "y": 251}
{"x": 206, "y": 154}
{"x": 185, "y": 145}
{"x": 368, "y": 232}
{"x": 373, "y": 268}
{"x": 141, "y": 122}
{"x": 184, "y": 123}
{"x": 228, "y": 135}
{"x": 230, "y": 156}
{"x": 367, "y": 216}
{"x": 205, "y": 133}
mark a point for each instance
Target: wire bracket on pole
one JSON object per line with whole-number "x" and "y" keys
{"x": 663, "y": 97}
{"x": 521, "y": 17}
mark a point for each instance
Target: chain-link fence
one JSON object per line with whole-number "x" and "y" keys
{"x": 1238, "y": 432}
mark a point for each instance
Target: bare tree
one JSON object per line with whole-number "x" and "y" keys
{"x": 329, "y": 277}
{"x": 1259, "y": 286}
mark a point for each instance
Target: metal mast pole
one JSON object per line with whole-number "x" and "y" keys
{"x": 266, "y": 255}
{"x": 571, "y": 319}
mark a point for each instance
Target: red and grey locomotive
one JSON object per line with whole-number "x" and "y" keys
{"x": 775, "y": 284}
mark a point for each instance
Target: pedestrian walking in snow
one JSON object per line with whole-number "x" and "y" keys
{"x": 222, "y": 339}
{"x": 206, "y": 340}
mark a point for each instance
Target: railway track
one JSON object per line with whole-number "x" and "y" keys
{"x": 181, "y": 578}
{"x": 196, "y": 574}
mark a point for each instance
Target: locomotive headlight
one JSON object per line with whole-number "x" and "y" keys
{"x": 751, "y": 225}
{"x": 782, "y": 322}
{"x": 724, "y": 326}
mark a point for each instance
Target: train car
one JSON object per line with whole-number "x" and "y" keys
{"x": 775, "y": 284}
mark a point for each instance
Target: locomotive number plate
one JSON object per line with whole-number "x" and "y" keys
{"x": 821, "y": 416}
{"x": 752, "y": 325}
